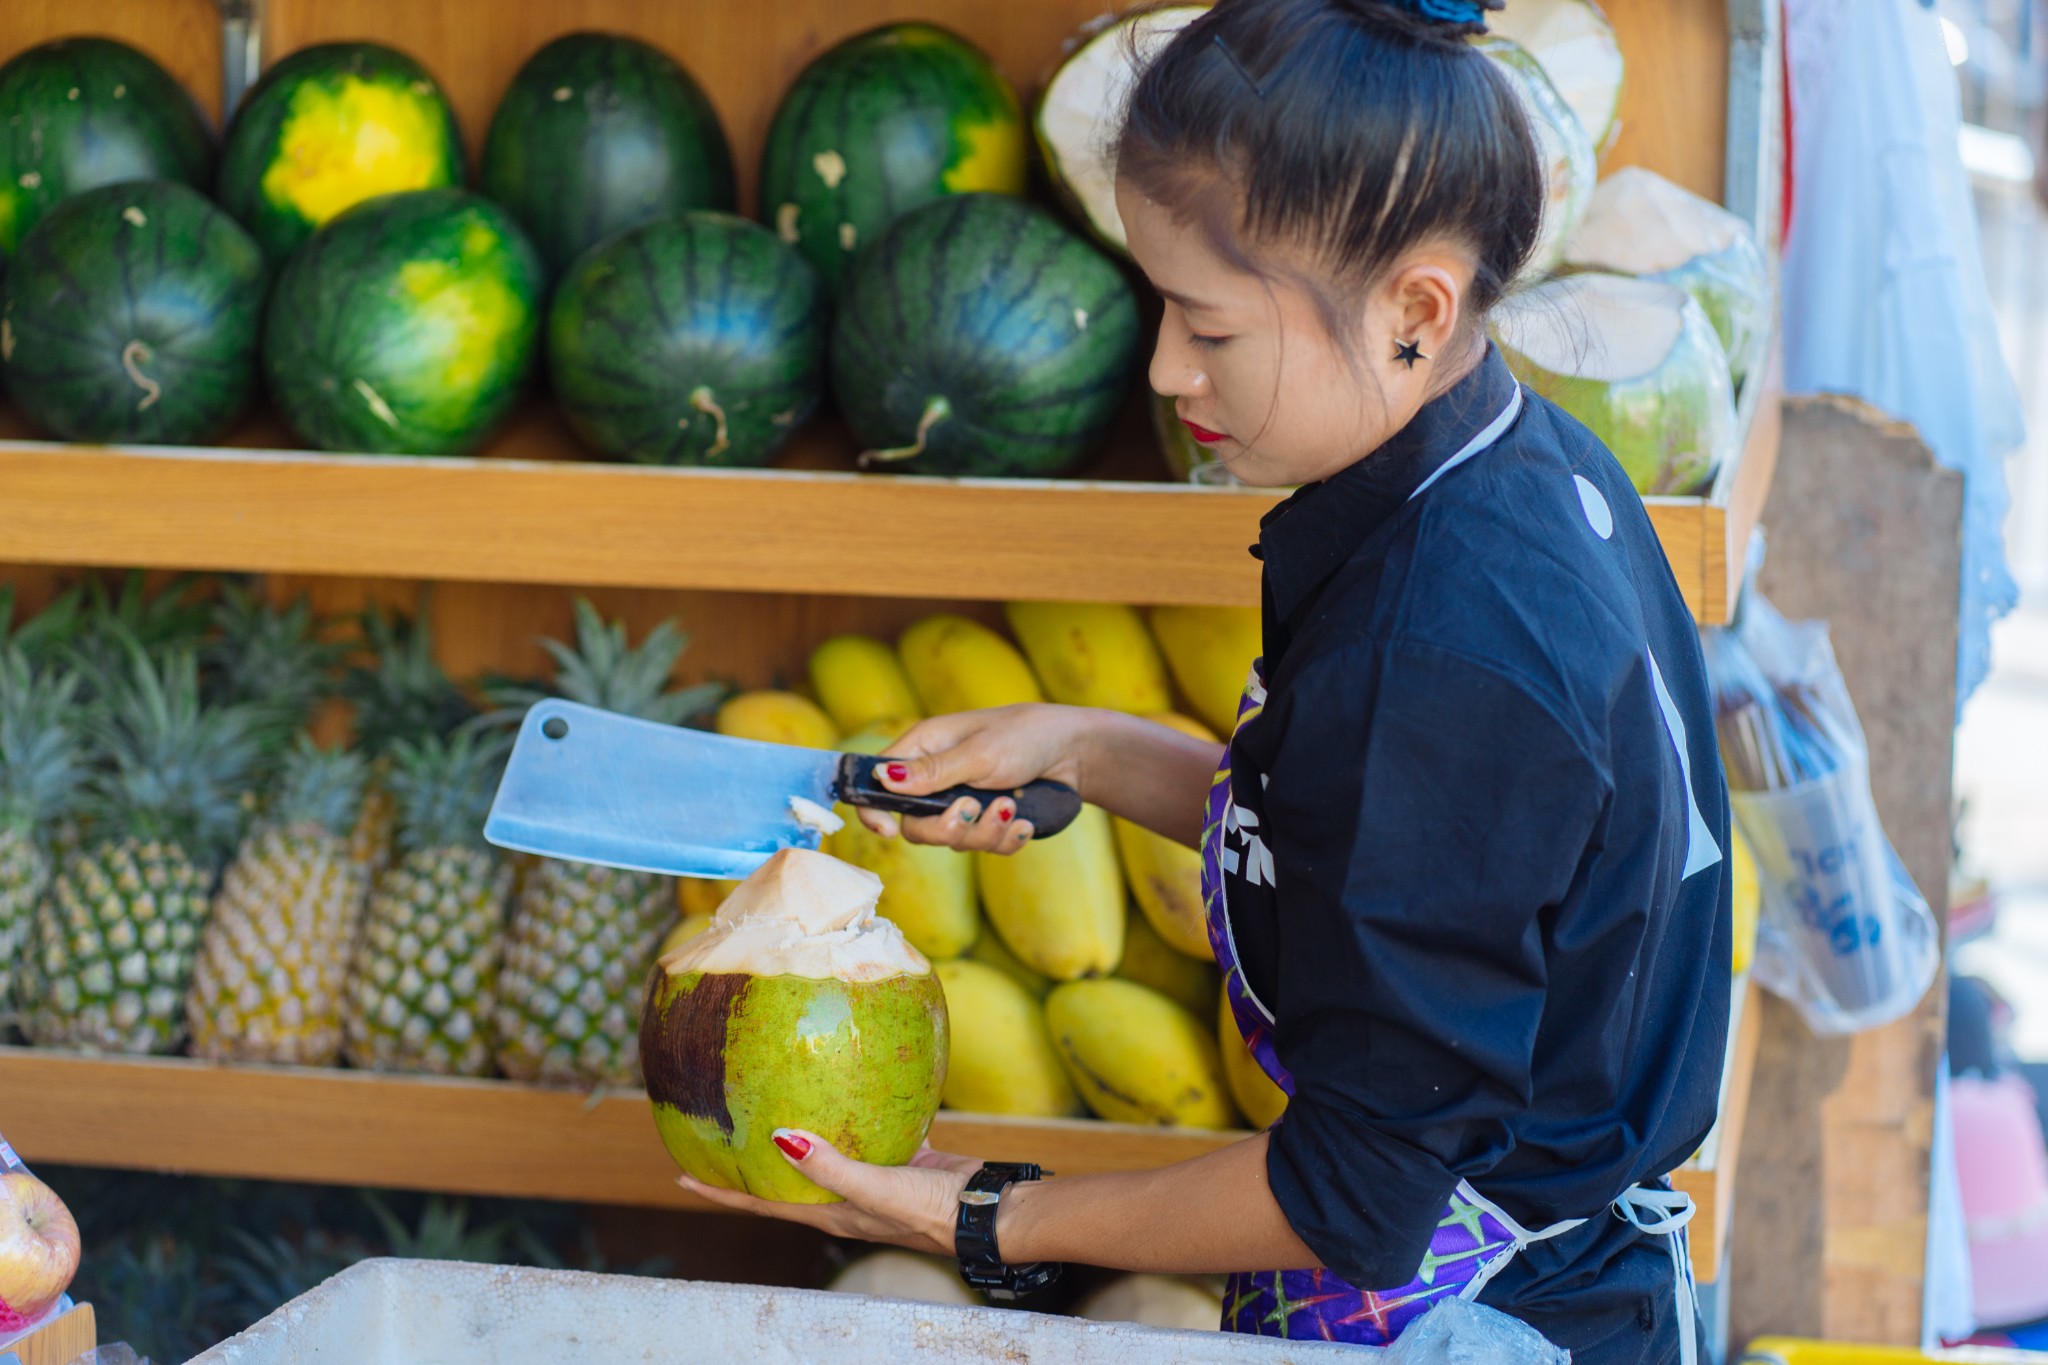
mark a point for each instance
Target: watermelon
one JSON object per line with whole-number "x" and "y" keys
{"x": 696, "y": 339}
{"x": 327, "y": 128}
{"x": 886, "y": 121}
{"x": 83, "y": 112}
{"x": 405, "y": 326}
{"x": 599, "y": 132}
{"x": 979, "y": 336}
{"x": 130, "y": 314}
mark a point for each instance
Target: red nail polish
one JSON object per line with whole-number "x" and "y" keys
{"x": 793, "y": 1147}
{"x": 1006, "y": 815}
{"x": 898, "y": 773}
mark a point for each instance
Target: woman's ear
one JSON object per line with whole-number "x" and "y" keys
{"x": 1427, "y": 298}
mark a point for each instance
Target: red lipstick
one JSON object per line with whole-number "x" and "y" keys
{"x": 1203, "y": 434}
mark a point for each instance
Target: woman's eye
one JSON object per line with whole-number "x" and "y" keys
{"x": 1205, "y": 343}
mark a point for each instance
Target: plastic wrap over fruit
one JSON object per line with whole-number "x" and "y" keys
{"x": 38, "y": 1249}
{"x": 1457, "y": 1332}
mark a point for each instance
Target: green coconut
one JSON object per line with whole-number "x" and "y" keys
{"x": 1571, "y": 168}
{"x": 1083, "y": 106}
{"x": 1641, "y": 224}
{"x": 1638, "y": 363}
{"x": 1575, "y": 42}
{"x": 797, "y": 1008}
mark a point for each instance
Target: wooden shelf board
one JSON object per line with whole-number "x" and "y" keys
{"x": 532, "y": 511}
{"x": 1710, "y": 1177}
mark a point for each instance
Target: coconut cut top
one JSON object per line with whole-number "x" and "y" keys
{"x": 802, "y": 914}
{"x": 1607, "y": 328}
{"x": 1639, "y": 223}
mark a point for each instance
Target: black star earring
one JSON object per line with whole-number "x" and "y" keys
{"x": 1408, "y": 352}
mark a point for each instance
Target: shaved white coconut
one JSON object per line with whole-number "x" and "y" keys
{"x": 1155, "y": 1301}
{"x": 811, "y": 815}
{"x": 1576, "y": 45}
{"x": 1570, "y": 165}
{"x": 905, "y": 1275}
{"x": 1641, "y": 224}
{"x": 1637, "y": 362}
{"x": 1083, "y": 107}
{"x": 802, "y": 914}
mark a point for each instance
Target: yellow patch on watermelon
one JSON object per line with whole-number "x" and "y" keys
{"x": 991, "y": 158}
{"x": 10, "y": 213}
{"x": 348, "y": 141}
{"x": 467, "y": 304}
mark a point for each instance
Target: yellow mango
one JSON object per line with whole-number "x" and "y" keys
{"x": 960, "y": 665}
{"x": 1002, "y": 1059}
{"x": 777, "y": 718}
{"x": 702, "y": 895}
{"x": 1059, "y": 902}
{"x": 1136, "y": 1056}
{"x": 860, "y": 681}
{"x": 1092, "y": 654}
{"x": 989, "y": 950}
{"x": 1747, "y": 894}
{"x": 1150, "y": 961}
{"x": 927, "y": 892}
{"x": 1210, "y": 651}
{"x": 1165, "y": 875}
{"x": 1258, "y": 1098}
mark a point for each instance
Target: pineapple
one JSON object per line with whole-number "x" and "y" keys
{"x": 39, "y": 776}
{"x": 270, "y": 659}
{"x": 114, "y": 942}
{"x": 402, "y": 694}
{"x": 267, "y": 987}
{"x": 582, "y": 936}
{"x": 420, "y": 987}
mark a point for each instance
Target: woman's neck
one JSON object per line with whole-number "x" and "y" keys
{"x": 1452, "y": 373}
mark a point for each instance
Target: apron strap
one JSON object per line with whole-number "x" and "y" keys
{"x": 1664, "y": 1213}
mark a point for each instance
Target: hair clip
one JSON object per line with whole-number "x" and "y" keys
{"x": 1231, "y": 57}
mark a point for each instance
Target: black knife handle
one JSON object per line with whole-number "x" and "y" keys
{"x": 1049, "y": 806}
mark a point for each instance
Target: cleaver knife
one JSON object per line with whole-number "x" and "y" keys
{"x": 592, "y": 786}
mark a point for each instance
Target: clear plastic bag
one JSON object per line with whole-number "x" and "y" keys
{"x": 38, "y": 1251}
{"x": 1845, "y": 935}
{"x": 1460, "y": 1332}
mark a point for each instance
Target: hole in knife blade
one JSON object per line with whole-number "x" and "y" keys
{"x": 554, "y": 727}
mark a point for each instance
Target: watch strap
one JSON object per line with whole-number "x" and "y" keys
{"x": 974, "y": 1235}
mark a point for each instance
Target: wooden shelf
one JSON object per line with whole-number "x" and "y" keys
{"x": 533, "y": 510}
{"x": 481, "y": 1137}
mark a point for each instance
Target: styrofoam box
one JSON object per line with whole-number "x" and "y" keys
{"x": 396, "y": 1312}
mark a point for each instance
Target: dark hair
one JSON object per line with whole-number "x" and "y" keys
{"x": 1352, "y": 129}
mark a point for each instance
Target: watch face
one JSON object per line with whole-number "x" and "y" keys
{"x": 978, "y": 1197}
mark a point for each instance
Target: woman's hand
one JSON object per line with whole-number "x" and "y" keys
{"x": 1004, "y": 747}
{"x": 910, "y": 1206}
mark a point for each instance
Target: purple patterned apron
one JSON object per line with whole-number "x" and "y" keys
{"x": 1475, "y": 1239}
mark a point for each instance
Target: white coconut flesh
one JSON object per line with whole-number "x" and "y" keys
{"x": 1576, "y": 45}
{"x": 1639, "y": 223}
{"x": 1154, "y": 1301}
{"x": 802, "y": 914}
{"x": 1570, "y": 165}
{"x": 904, "y": 1275}
{"x": 1605, "y": 328}
{"x": 1083, "y": 107}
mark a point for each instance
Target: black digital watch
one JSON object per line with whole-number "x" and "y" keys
{"x": 974, "y": 1235}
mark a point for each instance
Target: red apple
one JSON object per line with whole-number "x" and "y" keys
{"x": 38, "y": 1249}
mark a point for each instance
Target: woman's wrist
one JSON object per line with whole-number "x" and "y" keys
{"x": 1014, "y": 1223}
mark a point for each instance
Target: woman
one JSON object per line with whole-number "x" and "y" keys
{"x": 1463, "y": 853}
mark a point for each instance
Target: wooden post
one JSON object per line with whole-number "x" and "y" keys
{"x": 1831, "y": 1220}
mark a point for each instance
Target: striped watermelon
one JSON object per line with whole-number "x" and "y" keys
{"x": 327, "y": 128}
{"x": 130, "y": 314}
{"x": 405, "y": 326}
{"x": 599, "y": 132}
{"x": 878, "y": 125}
{"x": 979, "y": 336}
{"x": 83, "y": 112}
{"x": 697, "y": 339}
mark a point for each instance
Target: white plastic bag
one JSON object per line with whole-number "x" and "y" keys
{"x": 1845, "y": 936}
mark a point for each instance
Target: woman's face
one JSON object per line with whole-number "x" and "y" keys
{"x": 1253, "y": 369}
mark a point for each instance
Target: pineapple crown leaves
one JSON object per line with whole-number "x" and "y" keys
{"x": 41, "y": 767}
{"x": 403, "y": 693}
{"x": 320, "y": 787}
{"x": 178, "y": 617}
{"x": 603, "y": 669}
{"x": 269, "y": 657}
{"x": 443, "y": 785}
{"x": 46, "y": 634}
{"x": 175, "y": 770}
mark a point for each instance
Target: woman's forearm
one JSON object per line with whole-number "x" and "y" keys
{"x": 1148, "y": 773}
{"x": 1211, "y": 1215}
